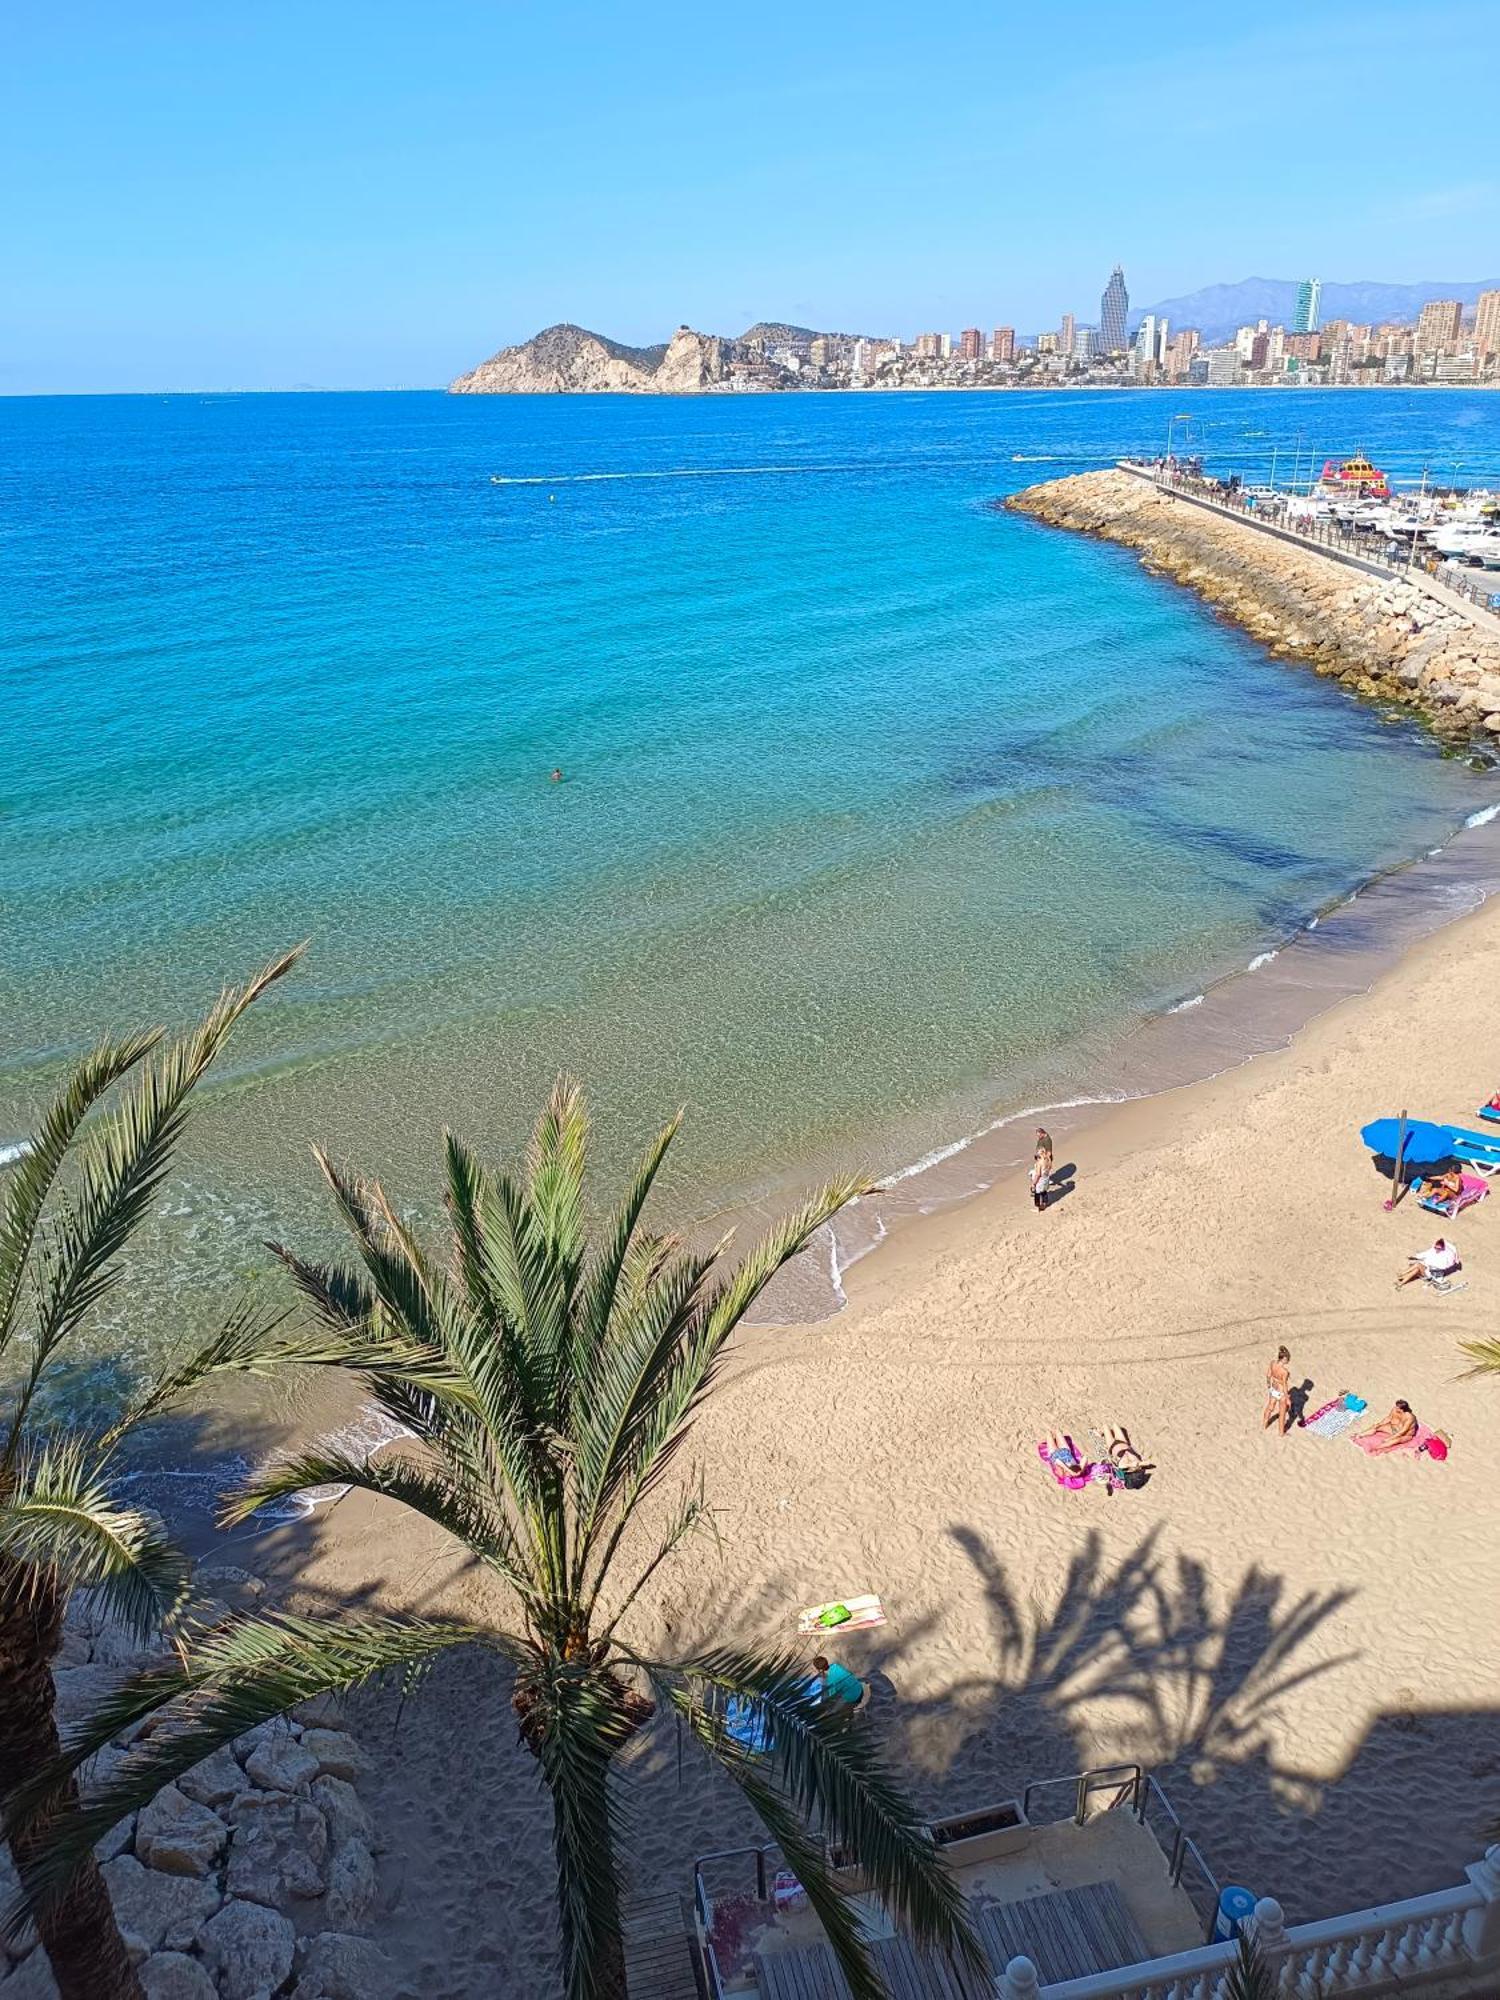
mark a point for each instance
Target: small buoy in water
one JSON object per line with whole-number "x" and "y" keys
{"x": 553, "y": 498}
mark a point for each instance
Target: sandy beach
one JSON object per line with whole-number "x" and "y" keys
{"x": 1298, "y": 1639}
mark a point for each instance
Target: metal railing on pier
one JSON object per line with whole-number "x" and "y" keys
{"x": 1329, "y": 537}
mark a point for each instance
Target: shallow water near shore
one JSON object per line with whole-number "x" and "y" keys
{"x": 884, "y": 815}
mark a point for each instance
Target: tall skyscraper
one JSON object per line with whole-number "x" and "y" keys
{"x": 1305, "y": 319}
{"x": 1114, "y": 308}
{"x": 971, "y": 343}
{"x": 1487, "y": 323}
{"x": 1065, "y": 334}
{"x": 1003, "y": 346}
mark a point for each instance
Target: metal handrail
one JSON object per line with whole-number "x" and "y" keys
{"x": 1086, "y": 1782}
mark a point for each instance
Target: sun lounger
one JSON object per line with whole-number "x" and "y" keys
{"x": 818, "y": 1618}
{"x": 1479, "y": 1142}
{"x": 1490, "y": 1111}
{"x": 1471, "y": 1189}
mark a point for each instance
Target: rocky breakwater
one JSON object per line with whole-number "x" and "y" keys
{"x": 1381, "y": 637}
{"x": 253, "y": 1875}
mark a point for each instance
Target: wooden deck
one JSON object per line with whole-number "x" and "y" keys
{"x": 1067, "y": 1935}
{"x": 658, "y": 1956}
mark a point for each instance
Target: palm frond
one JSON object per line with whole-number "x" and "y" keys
{"x": 1251, "y": 1976}
{"x": 785, "y": 1240}
{"x": 554, "y": 1183}
{"x": 61, "y": 1525}
{"x": 833, "y": 1777}
{"x": 250, "y": 1342}
{"x": 1484, "y": 1354}
{"x": 124, "y": 1159}
{"x": 603, "y": 1279}
{"x": 34, "y": 1173}
{"x": 234, "y": 1678}
{"x": 692, "y": 1513}
{"x": 462, "y": 1508}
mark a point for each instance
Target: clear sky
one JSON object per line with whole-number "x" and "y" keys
{"x": 269, "y": 194}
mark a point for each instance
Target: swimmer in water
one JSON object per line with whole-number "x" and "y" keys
{"x": 557, "y": 774}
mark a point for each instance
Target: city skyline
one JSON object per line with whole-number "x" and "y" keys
{"x": 359, "y": 197}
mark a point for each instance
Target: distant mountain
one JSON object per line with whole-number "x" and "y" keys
{"x": 1217, "y": 310}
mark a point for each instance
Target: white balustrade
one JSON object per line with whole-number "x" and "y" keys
{"x": 1411, "y": 1944}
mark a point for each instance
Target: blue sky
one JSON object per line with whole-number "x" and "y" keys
{"x": 361, "y": 196}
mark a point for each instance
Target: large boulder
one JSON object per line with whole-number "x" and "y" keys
{"x": 344, "y": 1810}
{"x": 31, "y": 1979}
{"x": 172, "y": 1975}
{"x": 10, "y": 1888}
{"x": 351, "y": 1885}
{"x": 282, "y": 1764}
{"x": 160, "y": 1912}
{"x": 248, "y": 1949}
{"x": 278, "y": 1849}
{"x": 338, "y": 1755}
{"x": 336, "y": 1967}
{"x": 215, "y": 1781}
{"x": 177, "y": 1835}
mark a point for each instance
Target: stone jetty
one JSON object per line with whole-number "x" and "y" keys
{"x": 1380, "y": 636}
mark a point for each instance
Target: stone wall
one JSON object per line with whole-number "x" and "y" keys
{"x": 254, "y": 1874}
{"x": 1381, "y": 637}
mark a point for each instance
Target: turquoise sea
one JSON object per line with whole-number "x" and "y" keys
{"x": 882, "y": 813}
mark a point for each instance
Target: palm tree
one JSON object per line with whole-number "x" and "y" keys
{"x": 549, "y": 1387}
{"x": 74, "y": 1198}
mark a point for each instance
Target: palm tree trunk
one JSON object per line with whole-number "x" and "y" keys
{"x": 79, "y": 1933}
{"x": 588, "y": 1886}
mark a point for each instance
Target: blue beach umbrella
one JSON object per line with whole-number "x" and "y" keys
{"x": 1403, "y": 1145}
{"x": 1412, "y": 1141}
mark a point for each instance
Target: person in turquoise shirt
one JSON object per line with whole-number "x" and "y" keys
{"x": 836, "y": 1683}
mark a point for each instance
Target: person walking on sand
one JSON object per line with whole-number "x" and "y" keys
{"x": 1278, "y": 1408}
{"x": 1041, "y": 1169}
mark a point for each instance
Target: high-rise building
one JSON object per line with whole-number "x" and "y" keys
{"x": 1438, "y": 324}
{"x": 1180, "y": 353}
{"x": 1065, "y": 334}
{"x": 1487, "y": 324}
{"x": 1309, "y": 293}
{"x": 1150, "y": 344}
{"x": 1114, "y": 309}
{"x": 930, "y": 345}
{"x": 1003, "y": 346}
{"x": 945, "y": 345}
{"x": 971, "y": 344}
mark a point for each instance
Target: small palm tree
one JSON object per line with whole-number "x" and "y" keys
{"x": 549, "y": 1388}
{"x": 74, "y": 1198}
{"x": 1252, "y": 1976}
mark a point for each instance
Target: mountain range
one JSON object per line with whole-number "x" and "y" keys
{"x": 1216, "y": 310}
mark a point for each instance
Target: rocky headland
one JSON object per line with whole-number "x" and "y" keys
{"x": 1382, "y": 637}
{"x": 570, "y": 360}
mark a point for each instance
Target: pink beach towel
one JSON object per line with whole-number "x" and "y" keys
{"x": 1075, "y": 1481}
{"x": 1414, "y": 1443}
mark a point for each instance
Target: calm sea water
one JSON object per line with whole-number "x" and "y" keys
{"x": 877, "y": 802}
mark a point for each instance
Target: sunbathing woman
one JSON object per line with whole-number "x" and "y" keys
{"x": 1396, "y": 1428}
{"x": 1444, "y": 1187}
{"x": 1278, "y": 1408}
{"x": 1130, "y": 1468}
{"x": 1064, "y": 1455}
